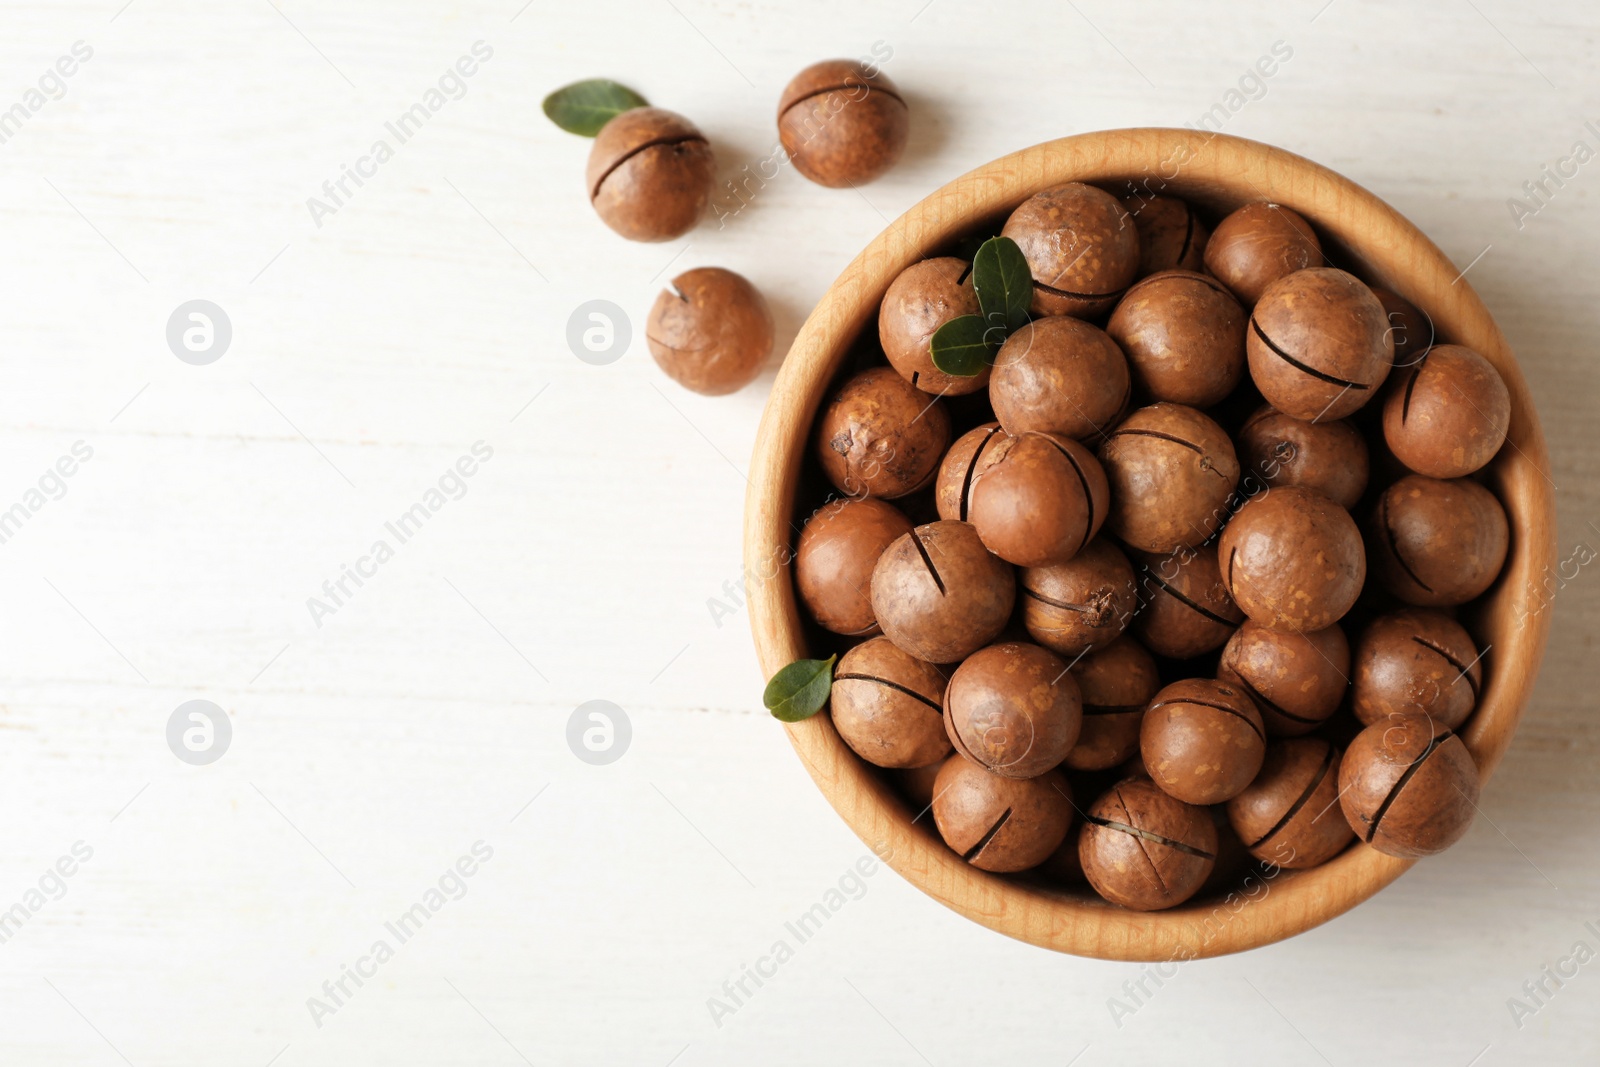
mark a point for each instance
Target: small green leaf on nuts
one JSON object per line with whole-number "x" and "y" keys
{"x": 964, "y": 345}
{"x": 1003, "y": 282}
{"x": 799, "y": 690}
{"x": 583, "y": 107}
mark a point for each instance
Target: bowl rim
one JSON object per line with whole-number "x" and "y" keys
{"x": 1220, "y": 171}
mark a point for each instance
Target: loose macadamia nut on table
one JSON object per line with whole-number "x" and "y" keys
{"x": 952, "y": 492}
{"x": 1183, "y": 335}
{"x": 834, "y": 558}
{"x": 1276, "y": 450}
{"x": 711, "y": 332}
{"x": 881, "y": 436}
{"x": 1171, "y": 471}
{"x": 1081, "y": 246}
{"x": 1437, "y": 543}
{"x": 1448, "y": 414}
{"x": 1144, "y": 849}
{"x": 940, "y": 595}
{"x": 1296, "y": 680}
{"x": 1185, "y": 609}
{"x": 1116, "y": 682}
{"x": 1038, "y": 499}
{"x": 887, "y": 706}
{"x": 1408, "y": 786}
{"x": 1202, "y": 740}
{"x": 1014, "y": 709}
{"x": 650, "y": 174}
{"x": 1416, "y": 661}
{"x": 842, "y": 122}
{"x": 1000, "y": 824}
{"x": 1080, "y": 604}
{"x": 1289, "y": 816}
{"x": 1293, "y": 560}
{"x": 1060, "y": 375}
{"x": 1257, "y": 245}
{"x": 1171, "y": 236}
{"x": 1409, "y": 329}
{"x": 1319, "y": 344}
{"x": 924, "y": 297}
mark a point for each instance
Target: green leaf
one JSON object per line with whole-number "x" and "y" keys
{"x": 1003, "y": 281}
{"x": 799, "y": 690}
{"x": 583, "y": 107}
{"x": 964, "y": 346}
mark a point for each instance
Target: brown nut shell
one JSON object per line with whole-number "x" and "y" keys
{"x": 1185, "y": 609}
{"x": 1319, "y": 345}
{"x": 650, "y": 174}
{"x": 1293, "y": 560}
{"x": 970, "y": 454}
{"x": 881, "y": 436}
{"x": 1258, "y": 244}
{"x": 1437, "y": 543}
{"x": 1408, "y": 786}
{"x": 1171, "y": 471}
{"x": 711, "y": 332}
{"x": 834, "y": 558}
{"x": 1289, "y": 815}
{"x": 1081, "y": 246}
{"x": 843, "y": 122}
{"x": 1202, "y": 740}
{"x": 887, "y": 706}
{"x": 1409, "y": 327}
{"x": 1080, "y": 604}
{"x": 939, "y": 594}
{"x": 1116, "y": 682}
{"x": 1060, "y": 375}
{"x": 1014, "y": 709}
{"x": 1278, "y": 450}
{"x": 922, "y": 298}
{"x": 1000, "y": 824}
{"x": 1296, "y": 680}
{"x": 1038, "y": 499}
{"x": 1416, "y": 661}
{"x": 1171, "y": 236}
{"x": 1144, "y": 849}
{"x": 1447, "y": 415}
{"x": 1183, "y": 335}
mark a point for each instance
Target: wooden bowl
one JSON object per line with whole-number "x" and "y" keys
{"x": 1217, "y": 172}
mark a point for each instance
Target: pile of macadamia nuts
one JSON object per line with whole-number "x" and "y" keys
{"x": 1170, "y": 588}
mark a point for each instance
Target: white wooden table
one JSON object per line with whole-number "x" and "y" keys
{"x": 427, "y": 714}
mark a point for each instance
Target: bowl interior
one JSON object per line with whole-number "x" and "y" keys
{"x": 1361, "y": 234}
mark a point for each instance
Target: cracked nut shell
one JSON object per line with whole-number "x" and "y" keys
{"x": 1144, "y": 849}
{"x": 1116, "y": 682}
{"x": 939, "y": 594}
{"x": 1416, "y": 661}
{"x": 1171, "y": 471}
{"x": 1060, "y": 375}
{"x": 1408, "y": 786}
{"x": 1014, "y": 709}
{"x": 880, "y": 436}
{"x": 1258, "y": 244}
{"x": 1038, "y": 499}
{"x": 1293, "y": 560}
{"x": 650, "y": 174}
{"x": 1319, "y": 345}
{"x": 1437, "y": 543}
{"x": 834, "y": 558}
{"x": 1447, "y": 415}
{"x": 1083, "y": 603}
{"x": 1000, "y": 824}
{"x": 1171, "y": 236}
{"x": 1296, "y": 680}
{"x": 842, "y": 122}
{"x": 921, "y": 299}
{"x": 1278, "y": 450}
{"x": 711, "y": 332}
{"x": 1081, "y": 246}
{"x": 1289, "y": 816}
{"x": 1183, "y": 335}
{"x": 1202, "y": 740}
{"x": 952, "y": 493}
{"x": 1185, "y": 609}
{"x": 887, "y": 706}
{"x": 1411, "y": 331}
